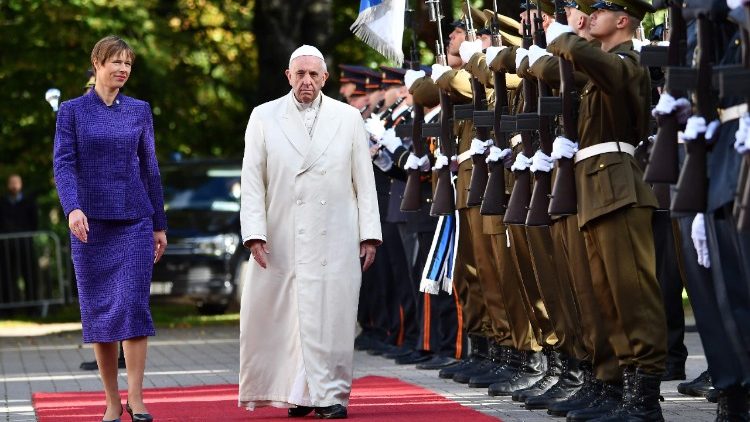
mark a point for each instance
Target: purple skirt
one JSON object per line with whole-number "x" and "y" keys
{"x": 113, "y": 273}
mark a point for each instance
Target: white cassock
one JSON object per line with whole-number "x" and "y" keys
{"x": 313, "y": 200}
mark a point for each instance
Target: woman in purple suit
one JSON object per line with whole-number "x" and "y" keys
{"x": 110, "y": 189}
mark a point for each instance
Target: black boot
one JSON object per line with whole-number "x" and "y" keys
{"x": 483, "y": 365}
{"x": 609, "y": 398}
{"x": 475, "y": 358}
{"x": 675, "y": 371}
{"x": 506, "y": 359}
{"x": 555, "y": 367}
{"x": 733, "y": 405}
{"x": 640, "y": 400}
{"x": 591, "y": 389}
{"x": 532, "y": 370}
{"x": 570, "y": 381}
{"x": 698, "y": 387}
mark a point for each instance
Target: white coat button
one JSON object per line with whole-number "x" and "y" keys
{"x": 322, "y": 172}
{"x": 299, "y": 202}
{"x": 324, "y": 263}
{"x": 323, "y": 232}
{"x": 323, "y": 202}
{"x": 301, "y": 231}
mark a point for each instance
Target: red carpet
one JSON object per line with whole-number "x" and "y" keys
{"x": 373, "y": 399}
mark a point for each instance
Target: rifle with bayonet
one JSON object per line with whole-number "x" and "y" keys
{"x": 495, "y": 200}
{"x": 479, "y": 171}
{"x": 526, "y": 123}
{"x": 563, "y": 198}
{"x": 412, "y": 192}
{"x": 539, "y": 203}
{"x": 443, "y": 200}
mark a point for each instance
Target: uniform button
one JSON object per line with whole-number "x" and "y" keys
{"x": 301, "y": 231}
{"x": 323, "y": 232}
{"x": 601, "y": 166}
{"x": 324, "y": 263}
{"x": 323, "y": 202}
{"x": 322, "y": 172}
{"x": 299, "y": 202}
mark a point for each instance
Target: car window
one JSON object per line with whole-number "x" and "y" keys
{"x": 201, "y": 187}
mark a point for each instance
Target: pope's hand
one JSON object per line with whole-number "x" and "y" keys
{"x": 259, "y": 250}
{"x": 79, "y": 225}
{"x": 367, "y": 250}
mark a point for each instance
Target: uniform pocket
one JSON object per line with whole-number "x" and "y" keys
{"x": 609, "y": 179}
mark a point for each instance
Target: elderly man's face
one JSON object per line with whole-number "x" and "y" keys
{"x": 307, "y": 76}
{"x": 14, "y": 184}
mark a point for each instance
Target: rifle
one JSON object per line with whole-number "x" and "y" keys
{"x": 663, "y": 163}
{"x": 412, "y": 197}
{"x": 537, "y": 214}
{"x": 443, "y": 200}
{"x": 479, "y": 171}
{"x": 740, "y": 85}
{"x": 526, "y": 122}
{"x": 564, "y": 197}
{"x": 692, "y": 186}
{"x": 495, "y": 201}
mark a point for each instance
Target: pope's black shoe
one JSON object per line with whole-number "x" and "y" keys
{"x": 437, "y": 362}
{"x": 299, "y": 411}
{"x": 336, "y": 411}
{"x": 699, "y": 387}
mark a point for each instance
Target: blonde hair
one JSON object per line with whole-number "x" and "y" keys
{"x": 108, "y": 47}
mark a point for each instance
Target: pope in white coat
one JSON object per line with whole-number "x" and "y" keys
{"x": 310, "y": 218}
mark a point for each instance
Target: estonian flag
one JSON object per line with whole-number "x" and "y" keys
{"x": 380, "y": 25}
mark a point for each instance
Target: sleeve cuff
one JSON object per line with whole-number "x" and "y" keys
{"x": 254, "y": 237}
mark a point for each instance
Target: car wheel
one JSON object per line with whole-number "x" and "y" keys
{"x": 212, "y": 309}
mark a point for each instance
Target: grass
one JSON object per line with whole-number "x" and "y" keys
{"x": 164, "y": 316}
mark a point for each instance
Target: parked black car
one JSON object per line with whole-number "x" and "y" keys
{"x": 204, "y": 261}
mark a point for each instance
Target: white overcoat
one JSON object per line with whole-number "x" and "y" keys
{"x": 313, "y": 201}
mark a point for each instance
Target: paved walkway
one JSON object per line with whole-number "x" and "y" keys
{"x": 199, "y": 356}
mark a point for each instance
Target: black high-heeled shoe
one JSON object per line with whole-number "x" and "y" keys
{"x": 138, "y": 417}
{"x": 114, "y": 420}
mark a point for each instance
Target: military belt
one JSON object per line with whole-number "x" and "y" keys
{"x": 732, "y": 113}
{"x": 603, "y": 148}
{"x": 464, "y": 156}
{"x": 515, "y": 140}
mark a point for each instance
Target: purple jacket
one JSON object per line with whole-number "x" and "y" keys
{"x": 105, "y": 160}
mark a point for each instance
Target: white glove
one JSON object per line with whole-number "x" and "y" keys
{"x": 468, "y": 49}
{"x": 668, "y": 104}
{"x": 522, "y": 162}
{"x": 521, "y": 53}
{"x": 416, "y": 163}
{"x": 694, "y": 127}
{"x": 663, "y": 43}
{"x": 440, "y": 160}
{"x": 541, "y": 162}
{"x": 390, "y": 141}
{"x": 711, "y": 129}
{"x": 554, "y": 30}
{"x": 733, "y": 4}
{"x": 412, "y": 75}
{"x": 535, "y": 53}
{"x": 563, "y": 147}
{"x": 742, "y": 136}
{"x": 497, "y": 154}
{"x": 438, "y": 70}
{"x": 479, "y": 147}
{"x": 383, "y": 161}
{"x": 698, "y": 233}
{"x": 492, "y": 52}
{"x": 374, "y": 127}
{"x": 638, "y": 44}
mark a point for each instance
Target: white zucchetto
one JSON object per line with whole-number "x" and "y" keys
{"x": 306, "y": 50}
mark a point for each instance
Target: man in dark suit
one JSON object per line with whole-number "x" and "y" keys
{"x": 18, "y": 213}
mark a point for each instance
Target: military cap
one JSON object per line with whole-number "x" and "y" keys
{"x": 634, "y": 8}
{"x": 548, "y": 6}
{"x": 359, "y": 86}
{"x": 582, "y": 5}
{"x": 509, "y": 28}
{"x": 371, "y": 78}
{"x": 392, "y": 76}
{"x": 349, "y": 71}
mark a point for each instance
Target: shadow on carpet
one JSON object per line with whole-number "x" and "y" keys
{"x": 373, "y": 398}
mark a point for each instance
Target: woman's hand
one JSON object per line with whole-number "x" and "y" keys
{"x": 160, "y": 244}
{"x": 79, "y": 225}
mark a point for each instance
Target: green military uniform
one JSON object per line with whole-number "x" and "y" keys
{"x": 614, "y": 204}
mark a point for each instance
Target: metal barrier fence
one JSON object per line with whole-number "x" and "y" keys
{"x": 31, "y": 270}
